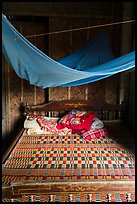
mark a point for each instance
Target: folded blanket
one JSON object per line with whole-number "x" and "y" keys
{"x": 93, "y": 133}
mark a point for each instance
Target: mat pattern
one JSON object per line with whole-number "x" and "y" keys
{"x": 76, "y": 198}
{"x": 46, "y": 158}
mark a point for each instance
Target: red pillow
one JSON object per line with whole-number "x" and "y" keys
{"x": 76, "y": 120}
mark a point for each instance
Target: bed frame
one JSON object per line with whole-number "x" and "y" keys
{"x": 110, "y": 114}
{"x": 104, "y": 110}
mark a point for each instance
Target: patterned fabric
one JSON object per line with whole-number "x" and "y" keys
{"x": 49, "y": 126}
{"x": 68, "y": 158}
{"x": 38, "y": 124}
{"x": 93, "y": 133}
{"x": 76, "y": 120}
{"x": 110, "y": 197}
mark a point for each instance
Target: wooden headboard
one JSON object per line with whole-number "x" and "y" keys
{"x": 105, "y": 111}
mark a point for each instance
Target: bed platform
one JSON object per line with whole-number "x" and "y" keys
{"x": 67, "y": 168}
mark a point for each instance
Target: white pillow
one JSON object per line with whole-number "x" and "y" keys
{"x": 33, "y": 122}
{"x": 96, "y": 123}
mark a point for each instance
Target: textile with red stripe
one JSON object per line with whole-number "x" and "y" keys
{"x": 93, "y": 133}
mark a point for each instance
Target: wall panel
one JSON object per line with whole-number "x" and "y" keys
{"x": 62, "y": 45}
{"x": 57, "y": 46}
{"x": 17, "y": 90}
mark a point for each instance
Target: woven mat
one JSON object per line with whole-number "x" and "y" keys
{"x": 52, "y": 157}
{"x": 75, "y": 198}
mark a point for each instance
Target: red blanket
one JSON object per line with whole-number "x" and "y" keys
{"x": 93, "y": 133}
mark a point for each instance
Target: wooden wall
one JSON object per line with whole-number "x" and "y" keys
{"x": 63, "y": 44}
{"x": 18, "y": 91}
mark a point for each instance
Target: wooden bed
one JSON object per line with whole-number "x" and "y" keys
{"x": 104, "y": 171}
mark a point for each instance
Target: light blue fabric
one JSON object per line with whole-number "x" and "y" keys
{"x": 93, "y": 62}
{"x": 95, "y": 52}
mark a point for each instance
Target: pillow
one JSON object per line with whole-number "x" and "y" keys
{"x": 76, "y": 120}
{"x": 93, "y": 133}
{"x": 32, "y": 121}
{"x": 38, "y": 124}
{"x": 65, "y": 131}
{"x": 48, "y": 124}
{"x": 96, "y": 123}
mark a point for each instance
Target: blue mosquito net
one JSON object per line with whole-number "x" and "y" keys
{"x": 94, "y": 61}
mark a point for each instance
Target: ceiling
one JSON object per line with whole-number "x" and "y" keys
{"x": 74, "y": 9}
